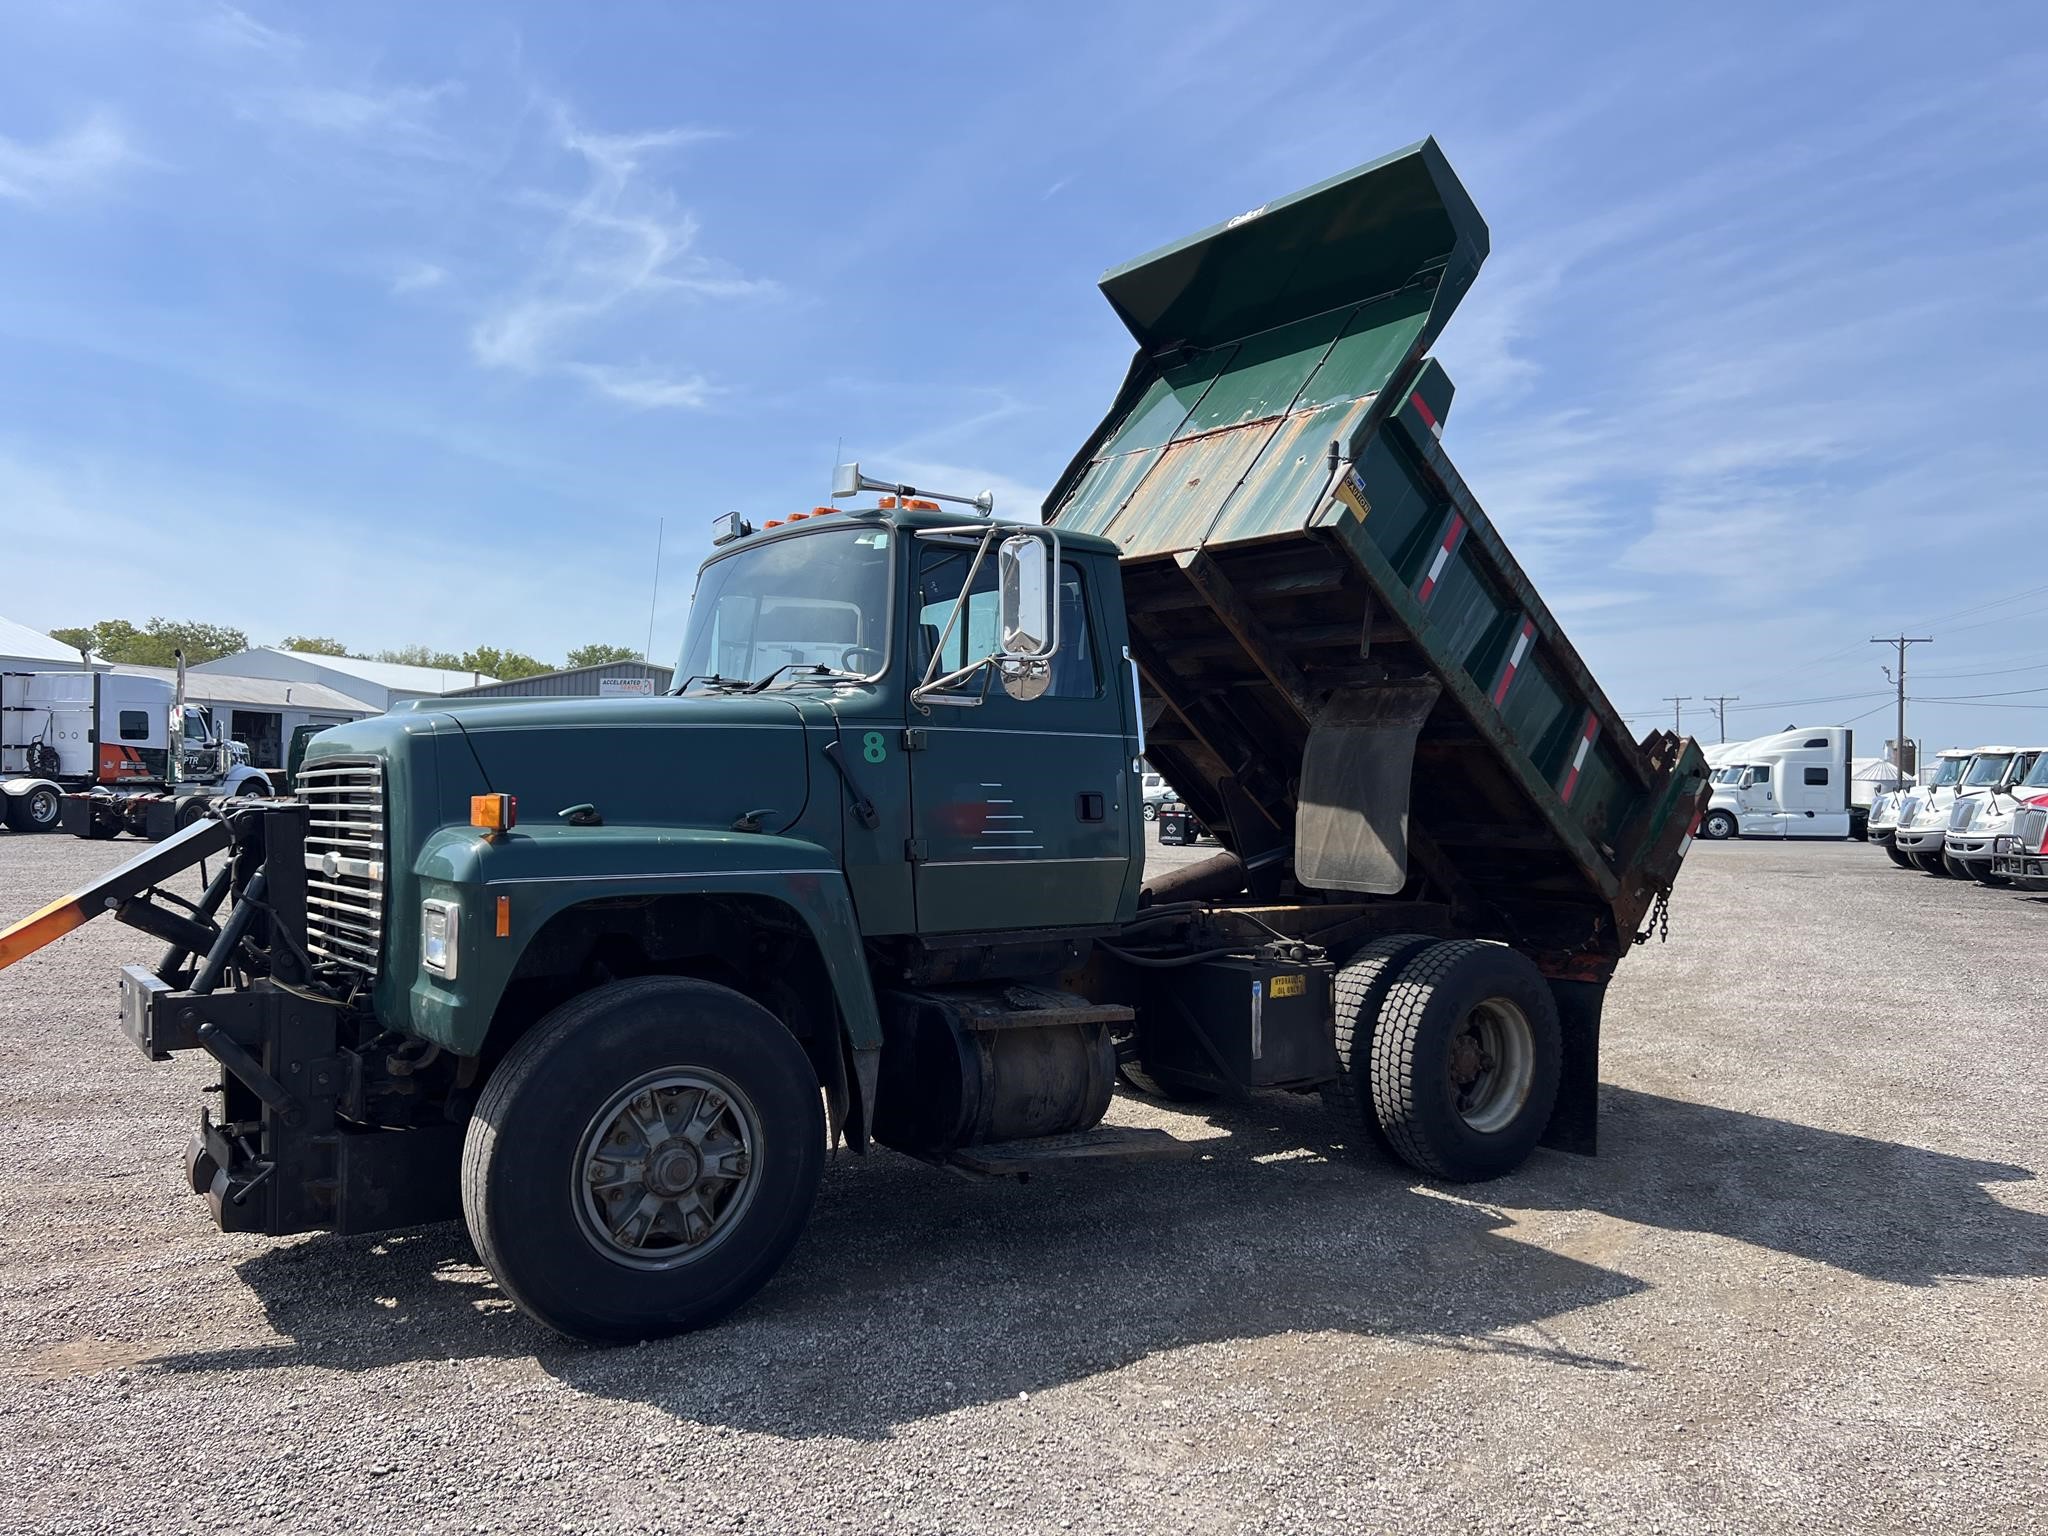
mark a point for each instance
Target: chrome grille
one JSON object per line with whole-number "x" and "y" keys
{"x": 2030, "y": 829}
{"x": 344, "y": 860}
{"x": 1964, "y": 811}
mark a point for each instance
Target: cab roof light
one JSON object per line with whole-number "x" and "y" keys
{"x": 796, "y": 517}
{"x": 773, "y": 522}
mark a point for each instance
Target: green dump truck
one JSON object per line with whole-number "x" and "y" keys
{"x": 608, "y": 978}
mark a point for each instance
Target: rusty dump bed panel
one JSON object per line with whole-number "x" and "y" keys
{"x": 1294, "y": 537}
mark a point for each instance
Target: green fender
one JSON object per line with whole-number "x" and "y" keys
{"x": 545, "y": 870}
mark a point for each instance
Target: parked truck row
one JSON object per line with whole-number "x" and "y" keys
{"x": 1982, "y": 815}
{"x": 101, "y": 753}
{"x": 605, "y": 978}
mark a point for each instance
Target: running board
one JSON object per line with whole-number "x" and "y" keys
{"x": 1020, "y": 1159}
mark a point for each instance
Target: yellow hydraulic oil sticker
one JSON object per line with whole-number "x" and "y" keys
{"x": 1351, "y": 491}
{"x": 1293, "y": 984}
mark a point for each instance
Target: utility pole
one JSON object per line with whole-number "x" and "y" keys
{"x": 1899, "y": 682}
{"x": 1721, "y": 701}
{"x": 1677, "y": 701}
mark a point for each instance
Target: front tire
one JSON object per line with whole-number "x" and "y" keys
{"x": 1465, "y": 1061}
{"x": 1151, "y": 811}
{"x": 644, "y": 1160}
{"x": 1898, "y": 856}
{"x": 40, "y": 810}
{"x": 1928, "y": 863}
{"x": 1718, "y": 826}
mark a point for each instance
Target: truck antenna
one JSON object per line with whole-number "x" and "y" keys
{"x": 654, "y": 597}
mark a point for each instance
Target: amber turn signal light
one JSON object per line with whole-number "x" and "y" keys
{"x": 496, "y": 814}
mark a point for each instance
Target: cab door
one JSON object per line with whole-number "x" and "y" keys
{"x": 1022, "y": 810}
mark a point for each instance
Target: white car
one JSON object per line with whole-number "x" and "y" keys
{"x": 1977, "y": 822}
{"x": 1156, "y": 794}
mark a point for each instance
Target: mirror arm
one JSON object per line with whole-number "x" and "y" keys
{"x": 959, "y": 605}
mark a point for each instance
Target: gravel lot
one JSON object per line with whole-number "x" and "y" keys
{"x": 1802, "y": 1288}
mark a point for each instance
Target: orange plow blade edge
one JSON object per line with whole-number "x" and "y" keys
{"x": 154, "y": 864}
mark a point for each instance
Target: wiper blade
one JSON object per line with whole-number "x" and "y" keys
{"x": 811, "y": 668}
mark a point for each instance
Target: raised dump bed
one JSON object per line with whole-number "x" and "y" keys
{"x": 1346, "y": 669}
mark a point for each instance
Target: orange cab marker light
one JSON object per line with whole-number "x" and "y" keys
{"x": 796, "y": 517}
{"x": 887, "y": 503}
{"x": 496, "y": 814}
{"x": 919, "y": 504}
{"x": 504, "y": 917}
{"x": 773, "y": 522}
{"x": 821, "y": 511}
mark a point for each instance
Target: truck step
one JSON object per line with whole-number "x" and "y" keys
{"x": 1019, "y": 1158}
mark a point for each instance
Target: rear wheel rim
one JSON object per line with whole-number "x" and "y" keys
{"x": 42, "y": 806}
{"x": 1492, "y": 1066}
{"x": 667, "y": 1168}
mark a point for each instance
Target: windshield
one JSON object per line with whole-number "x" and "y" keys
{"x": 1728, "y": 775}
{"x": 2037, "y": 776}
{"x": 1988, "y": 768}
{"x": 1946, "y": 771}
{"x": 821, "y": 599}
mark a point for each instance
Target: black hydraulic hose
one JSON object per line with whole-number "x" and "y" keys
{"x": 231, "y": 935}
{"x": 209, "y": 902}
{"x": 1162, "y": 963}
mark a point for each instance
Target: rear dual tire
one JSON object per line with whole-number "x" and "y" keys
{"x": 1450, "y": 1055}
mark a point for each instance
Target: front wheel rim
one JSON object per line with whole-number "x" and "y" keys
{"x": 1493, "y": 1065}
{"x": 667, "y": 1168}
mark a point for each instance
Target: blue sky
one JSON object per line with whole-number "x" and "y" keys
{"x": 407, "y": 323}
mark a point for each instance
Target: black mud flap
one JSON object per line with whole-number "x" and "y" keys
{"x": 1351, "y": 831}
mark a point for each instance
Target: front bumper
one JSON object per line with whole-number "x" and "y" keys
{"x": 2016, "y": 864}
{"x": 1920, "y": 839}
{"x": 1970, "y": 847}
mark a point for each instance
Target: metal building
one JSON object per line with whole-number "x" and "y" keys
{"x": 613, "y": 678}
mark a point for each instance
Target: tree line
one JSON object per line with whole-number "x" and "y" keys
{"x": 157, "y": 643}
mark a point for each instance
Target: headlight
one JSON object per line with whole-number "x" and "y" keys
{"x": 440, "y": 926}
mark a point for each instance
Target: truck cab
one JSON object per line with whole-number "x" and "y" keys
{"x": 1983, "y": 814}
{"x": 1795, "y": 784}
{"x": 1923, "y": 814}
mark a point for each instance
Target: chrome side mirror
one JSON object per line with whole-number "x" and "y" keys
{"x": 846, "y": 481}
{"x": 1024, "y": 614}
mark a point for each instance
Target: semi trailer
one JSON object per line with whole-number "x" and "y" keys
{"x": 105, "y": 752}
{"x": 607, "y": 978}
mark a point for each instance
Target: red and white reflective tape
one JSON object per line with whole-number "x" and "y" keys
{"x": 1685, "y": 843}
{"x": 1586, "y": 734}
{"x": 1507, "y": 675}
{"x": 1443, "y": 557}
{"x": 1428, "y": 416}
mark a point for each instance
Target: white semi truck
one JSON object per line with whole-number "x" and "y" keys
{"x": 1978, "y": 820}
{"x": 1794, "y": 784}
{"x": 106, "y": 752}
{"x": 1923, "y": 814}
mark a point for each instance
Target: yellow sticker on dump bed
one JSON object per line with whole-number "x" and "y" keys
{"x": 1292, "y": 985}
{"x": 1351, "y": 491}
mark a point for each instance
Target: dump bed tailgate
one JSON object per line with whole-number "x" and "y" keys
{"x": 1314, "y": 593}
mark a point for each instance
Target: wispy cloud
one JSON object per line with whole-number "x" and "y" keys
{"x": 418, "y": 277}
{"x": 65, "y": 163}
{"x": 400, "y": 120}
{"x": 229, "y": 28}
{"x": 644, "y": 389}
{"x": 619, "y": 248}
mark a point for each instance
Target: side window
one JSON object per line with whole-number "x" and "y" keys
{"x": 1816, "y": 775}
{"x": 134, "y": 725}
{"x": 973, "y": 633}
{"x": 1818, "y": 741}
{"x": 1760, "y": 774}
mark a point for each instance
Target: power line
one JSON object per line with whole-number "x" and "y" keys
{"x": 2041, "y": 666}
{"x": 1899, "y": 741}
{"x": 1957, "y": 698}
